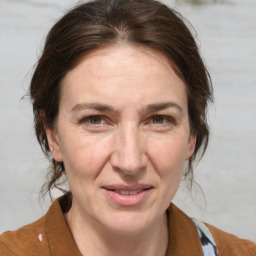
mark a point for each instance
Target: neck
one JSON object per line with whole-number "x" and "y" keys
{"x": 93, "y": 239}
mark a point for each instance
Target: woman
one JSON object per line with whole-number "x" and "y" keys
{"x": 119, "y": 98}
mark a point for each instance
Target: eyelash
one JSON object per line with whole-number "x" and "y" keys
{"x": 166, "y": 121}
{"x": 88, "y": 120}
{"x": 163, "y": 118}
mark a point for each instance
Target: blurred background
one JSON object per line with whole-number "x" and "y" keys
{"x": 226, "y": 34}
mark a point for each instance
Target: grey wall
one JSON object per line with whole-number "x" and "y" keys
{"x": 227, "y": 173}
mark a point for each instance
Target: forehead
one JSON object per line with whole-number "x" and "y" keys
{"x": 125, "y": 71}
{"x": 124, "y": 55}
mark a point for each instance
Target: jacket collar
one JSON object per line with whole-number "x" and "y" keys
{"x": 61, "y": 241}
{"x": 183, "y": 236}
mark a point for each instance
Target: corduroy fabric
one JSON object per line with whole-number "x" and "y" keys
{"x": 51, "y": 236}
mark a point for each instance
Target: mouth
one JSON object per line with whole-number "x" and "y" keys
{"x": 128, "y": 195}
{"x": 128, "y": 192}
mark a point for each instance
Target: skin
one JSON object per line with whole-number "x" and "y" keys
{"x": 142, "y": 137}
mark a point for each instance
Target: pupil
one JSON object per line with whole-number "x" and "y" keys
{"x": 158, "y": 119}
{"x": 95, "y": 120}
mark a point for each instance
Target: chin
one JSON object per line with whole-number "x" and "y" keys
{"x": 128, "y": 223}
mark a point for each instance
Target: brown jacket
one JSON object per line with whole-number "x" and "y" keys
{"x": 50, "y": 235}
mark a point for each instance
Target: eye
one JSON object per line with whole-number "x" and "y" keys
{"x": 93, "y": 121}
{"x": 160, "y": 122}
{"x": 158, "y": 119}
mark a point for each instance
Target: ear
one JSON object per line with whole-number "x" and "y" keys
{"x": 54, "y": 145}
{"x": 191, "y": 146}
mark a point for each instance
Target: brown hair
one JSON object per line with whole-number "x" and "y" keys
{"x": 97, "y": 23}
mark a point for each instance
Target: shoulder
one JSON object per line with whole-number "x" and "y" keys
{"x": 41, "y": 238}
{"x": 26, "y": 240}
{"x": 228, "y": 244}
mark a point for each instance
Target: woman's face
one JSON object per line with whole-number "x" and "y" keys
{"x": 123, "y": 135}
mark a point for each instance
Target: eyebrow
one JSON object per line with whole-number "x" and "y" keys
{"x": 95, "y": 106}
{"x": 107, "y": 108}
{"x": 163, "y": 105}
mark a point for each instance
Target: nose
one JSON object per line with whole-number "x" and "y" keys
{"x": 129, "y": 155}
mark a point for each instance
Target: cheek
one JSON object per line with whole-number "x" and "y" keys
{"x": 84, "y": 156}
{"x": 168, "y": 159}
{"x": 168, "y": 155}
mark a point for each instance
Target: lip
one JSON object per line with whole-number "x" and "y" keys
{"x": 127, "y": 187}
{"x": 127, "y": 199}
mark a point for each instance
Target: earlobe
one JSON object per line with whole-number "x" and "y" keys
{"x": 53, "y": 142}
{"x": 191, "y": 146}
